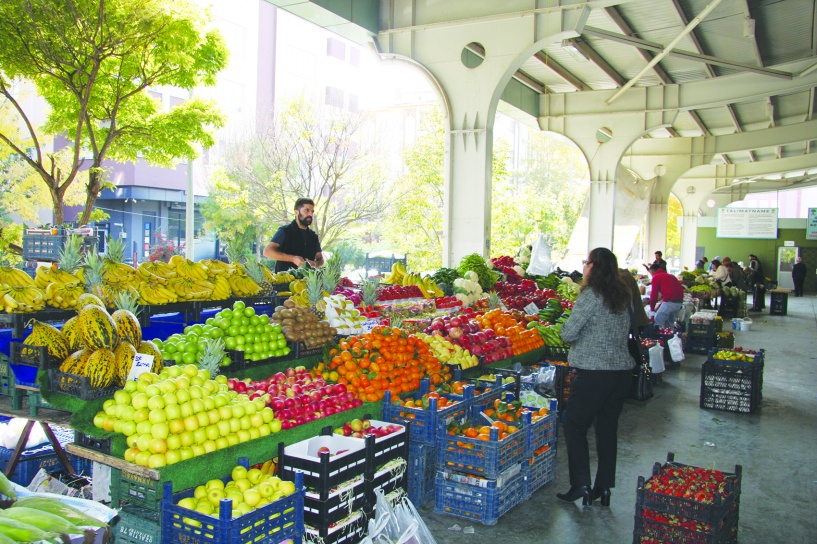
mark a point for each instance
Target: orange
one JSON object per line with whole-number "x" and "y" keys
{"x": 484, "y": 437}
{"x": 471, "y": 432}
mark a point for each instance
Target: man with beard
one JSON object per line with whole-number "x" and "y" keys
{"x": 296, "y": 243}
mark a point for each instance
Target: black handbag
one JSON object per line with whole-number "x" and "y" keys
{"x": 641, "y": 386}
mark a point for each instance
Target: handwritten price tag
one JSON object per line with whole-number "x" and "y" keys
{"x": 141, "y": 363}
{"x": 531, "y": 309}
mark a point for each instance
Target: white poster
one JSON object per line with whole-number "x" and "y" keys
{"x": 758, "y": 223}
{"x": 811, "y": 226}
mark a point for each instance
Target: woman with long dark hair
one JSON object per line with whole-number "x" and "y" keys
{"x": 597, "y": 331}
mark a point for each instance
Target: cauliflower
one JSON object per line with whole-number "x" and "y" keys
{"x": 467, "y": 289}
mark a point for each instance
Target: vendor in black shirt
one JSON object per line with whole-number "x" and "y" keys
{"x": 296, "y": 243}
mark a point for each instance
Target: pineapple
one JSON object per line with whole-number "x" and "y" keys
{"x": 369, "y": 288}
{"x": 313, "y": 278}
{"x": 115, "y": 272}
{"x": 64, "y": 270}
{"x": 255, "y": 270}
{"x": 332, "y": 272}
{"x": 212, "y": 356}
{"x": 493, "y": 300}
{"x": 125, "y": 299}
{"x": 94, "y": 271}
{"x": 70, "y": 258}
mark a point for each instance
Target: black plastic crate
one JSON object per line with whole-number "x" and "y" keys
{"x": 735, "y": 379}
{"x": 778, "y": 303}
{"x": 557, "y": 353}
{"x": 729, "y": 401}
{"x": 348, "y": 497}
{"x": 36, "y": 356}
{"x": 390, "y": 477}
{"x": 325, "y": 472}
{"x": 77, "y": 386}
{"x": 701, "y": 330}
{"x": 690, "y": 508}
{"x": 698, "y": 345}
{"x": 729, "y": 307}
{"x": 349, "y": 530}
{"x": 134, "y": 490}
{"x": 44, "y": 246}
{"x": 674, "y": 529}
{"x": 102, "y": 445}
{"x": 298, "y": 350}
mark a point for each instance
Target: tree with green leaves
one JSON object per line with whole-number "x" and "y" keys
{"x": 93, "y": 62}
{"x": 302, "y": 150}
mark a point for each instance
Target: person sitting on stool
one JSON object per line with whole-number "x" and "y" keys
{"x": 671, "y": 292}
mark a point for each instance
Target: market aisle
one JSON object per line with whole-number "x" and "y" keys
{"x": 777, "y": 448}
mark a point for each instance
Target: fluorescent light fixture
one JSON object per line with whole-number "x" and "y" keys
{"x": 573, "y": 51}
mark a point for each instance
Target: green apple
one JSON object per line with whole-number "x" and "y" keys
{"x": 243, "y": 484}
{"x": 232, "y": 439}
{"x": 174, "y": 442}
{"x": 243, "y": 436}
{"x": 128, "y": 428}
{"x": 130, "y": 454}
{"x": 267, "y": 414}
{"x": 160, "y": 430}
{"x": 173, "y": 456}
{"x": 190, "y": 370}
{"x": 157, "y": 415}
{"x": 222, "y": 442}
{"x": 152, "y": 390}
{"x": 238, "y": 473}
{"x": 275, "y": 425}
{"x": 170, "y": 396}
{"x": 263, "y": 430}
{"x": 191, "y": 423}
{"x": 209, "y": 446}
{"x": 197, "y": 404}
{"x": 200, "y": 436}
{"x": 173, "y": 411}
{"x": 130, "y": 386}
{"x": 199, "y": 493}
{"x": 141, "y": 414}
{"x": 195, "y": 391}
{"x": 255, "y": 434}
{"x": 223, "y": 427}
{"x": 252, "y": 497}
{"x": 245, "y": 422}
{"x": 225, "y": 413}
{"x": 215, "y": 482}
{"x": 212, "y": 432}
{"x": 266, "y": 489}
{"x": 254, "y": 475}
{"x": 213, "y": 415}
{"x": 202, "y": 418}
{"x": 187, "y": 409}
{"x": 214, "y": 495}
{"x": 198, "y": 449}
{"x": 209, "y": 403}
{"x": 249, "y": 408}
{"x": 131, "y": 440}
{"x": 158, "y": 445}
{"x": 157, "y": 460}
{"x": 143, "y": 442}
{"x": 187, "y": 439}
{"x": 186, "y": 453}
{"x": 122, "y": 397}
{"x": 235, "y": 425}
{"x": 286, "y": 487}
{"x": 142, "y": 458}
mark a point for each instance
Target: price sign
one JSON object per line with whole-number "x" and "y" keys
{"x": 369, "y": 324}
{"x": 531, "y": 309}
{"x": 141, "y": 363}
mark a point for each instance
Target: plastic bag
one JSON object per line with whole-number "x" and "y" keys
{"x": 676, "y": 349}
{"x": 540, "y": 263}
{"x": 545, "y": 383}
{"x": 12, "y": 431}
{"x": 657, "y": 359}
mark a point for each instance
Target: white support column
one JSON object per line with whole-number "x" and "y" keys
{"x": 656, "y": 228}
{"x": 689, "y": 239}
{"x": 602, "y": 214}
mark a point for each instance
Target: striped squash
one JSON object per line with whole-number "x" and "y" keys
{"x": 76, "y": 362}
{"x": 72, "y": 334}
{"x": 124, "y": 355}
{"x": 149, "y": 348}
{"x": 101, "y": 369}
{"x": 127, "y": 326}
{"x": 97, "y": 328}
{"x": 89, "y": 298}
{"x": 45, "y": 335}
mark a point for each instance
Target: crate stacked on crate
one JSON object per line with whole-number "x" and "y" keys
{"x": 136, "y": 525}
{"x": 427, "y": 414}
{"x": 480, "y": 464}
{"x": 334, "y": 475}
{"x": 539, "y": 463}
{"x": 130, "y": 488}
{"x": 682, "y": 504}
{"x": 183, "y": 519}
{"x": 732, "y": 305}
{"x": 779, "y": 302}
{"x": 732, "y": 380}
{"x": 700, "y": 333}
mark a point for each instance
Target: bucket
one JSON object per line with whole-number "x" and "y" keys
{"x": 746, "y": 325}
{"x": 737, "y": 324}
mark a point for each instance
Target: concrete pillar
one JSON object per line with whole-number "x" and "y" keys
{"x": 689, "y": 239}
{"x": 656, "y": 239}
{"x": 601, "y": 199}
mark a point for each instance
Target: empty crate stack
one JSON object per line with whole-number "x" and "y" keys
{"x": 680, "y": 504}
{"x": 700, "y": 333}
{"x": 732, "y": 380}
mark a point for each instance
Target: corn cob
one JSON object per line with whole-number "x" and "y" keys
{"x": 57, "y": 507}
{"x": 23, "y": 532}
{"x": 5, "y": 487}
{"x": 42, "y": 520}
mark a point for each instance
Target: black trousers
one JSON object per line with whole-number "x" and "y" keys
{"x": 597, "y": 398}
{"x": 798, "y": 286}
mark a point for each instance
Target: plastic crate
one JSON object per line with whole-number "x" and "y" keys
{"x": 539, "y": 470}
{"x": 758, "y": 359}
{"x": 540, "y": 433}
{"x": 340, "y": 502}
{"x": 778, "y": 303}
{"x": 733, "y": 379}
{"x": 422, "y": 469}
{"x": 701, "y": 330}
{"x": 390, "y": 477}
{"x": 350, "y": 530}
{"x": 137, "y": 526}
{"x": 41, "y": 246}
{"x": 718, "y": 399}
{"x": 483, "y": 504}
{"x": 298, "y": 350}
{"x": 556, "y": 353}
{"x": 698, "y": 345}
{"x": 689, "y": 508}
{"x": 36, "y": 356}
{"x": 484, "y": 390}
{"x": 323, "y": 472}
{"x": 33, "y": 459}
{"x": 486, "y": 458}
{"x": 77, "y": 386}
{"x": 274, "y": 522}
{"x": 129, "y": 488}
{"x": 426, "y": 425}
{"x": 674, "y": 529}
{"x": 102, "y": 445}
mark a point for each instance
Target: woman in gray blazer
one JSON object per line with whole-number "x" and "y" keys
{"x": 597, "y": 331}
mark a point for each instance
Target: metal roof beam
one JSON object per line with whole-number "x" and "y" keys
{"x": 599, "y": 61}
{"x": 614, "y": 14}
{"x": 708, "y": 59}
{"x": 693, "y": 38}
{"x": 560, "y": 71}
{"x": 738, "y": 128}
{"x": 522, "y": 77}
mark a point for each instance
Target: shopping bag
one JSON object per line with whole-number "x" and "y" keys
{"x": 657, "y": 359}
{"x": 540, "y": 263}
{"x": 676, "y": 349}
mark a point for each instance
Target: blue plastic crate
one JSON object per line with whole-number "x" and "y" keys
{"x": 483, "y": 504}
{"x": 538, "y": 471}
{"x": 275, "y": 522}
{"x": 33, "y": 459}
{"x": 422, "y": 468}
{"x": 486, "y": 458}
{"x": 540, "y": 433}
{"x": 427, "y": 425}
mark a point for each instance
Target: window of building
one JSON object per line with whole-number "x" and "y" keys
{"x": 354, "y": 56}
{"x": 334, "y": 97}
{"x": 335, "y": 48}
{"x": 176, "y": 101}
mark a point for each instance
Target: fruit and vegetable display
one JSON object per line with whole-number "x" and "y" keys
{"x": 399, "y": 276}
{"x": 296, "y": 396}
{"x": 694, "y": 483}
{"x": 246, "y": 489}
{"x": 301, "y": 324}
{"x": 737, "y": 354}
{"x": 180, "y": 413}
{"x": 478, "y": 265}
{"x": 424, "y": 401}
{"x": 361, "y": 428}
{"x": 465, "y": 331}
{"x": 449, "y": 353}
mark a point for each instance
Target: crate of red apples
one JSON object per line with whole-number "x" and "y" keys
{"x": 686, "y": 504}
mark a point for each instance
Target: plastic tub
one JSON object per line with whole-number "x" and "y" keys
{"x": 746, "y": 325}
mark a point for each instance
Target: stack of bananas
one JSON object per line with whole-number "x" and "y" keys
{"x": 119, "y": 276}
{"x": 400, "y": 276}
{"x": 18, "y": 293}
{"x": 190, "y": 282}
{"x": 395, "y": 277}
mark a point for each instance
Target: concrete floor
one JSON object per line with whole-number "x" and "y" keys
{"x": 777, "y": 448}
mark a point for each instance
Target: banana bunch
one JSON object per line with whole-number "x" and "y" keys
{"x": 426, "y": 285}
{"x": 25, "y": 299}
{"x": 217, "y": 268}
{"x": 158, "y": 272}
{"x": 185, "y": 268}
{"x": 243, "y": 286}
{"x": 64, "y": 295}
{"x": 297, "y": 287}
{"x": 154, "y": 293}
{"x": 187, "y": 289}
{"x": 221, "y": 288}
{"x": 395, "y": 277}
{"x": 15, "y": 277}
{"x": 300, "y": 299}
{"x": 278, "y": 277}
{"x": 46, "y": 275}
{"x": 119, "y": 275}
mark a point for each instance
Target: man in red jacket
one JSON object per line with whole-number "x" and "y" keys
{"x": 671, "y": 292}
